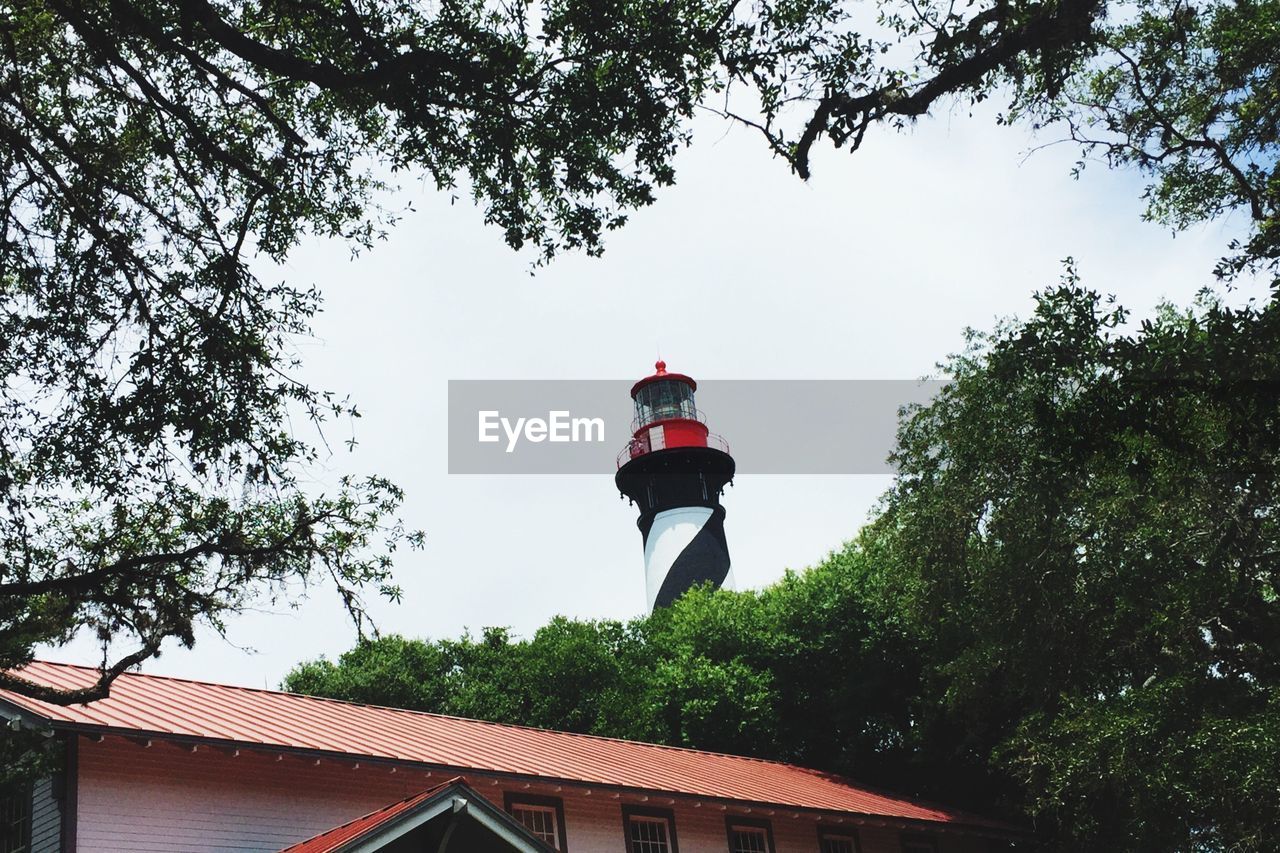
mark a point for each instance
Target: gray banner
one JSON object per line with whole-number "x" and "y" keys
{"x": 776, "y": 426}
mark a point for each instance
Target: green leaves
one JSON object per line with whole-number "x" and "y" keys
{"x": 1066, "y": 610}
{"x": 1087, "y": 512}
{"x": 148, "y": 149}
{"x": 1186, "y": 94}
{"x": 799, "y": 672}
{"x": 1083, "y": 535}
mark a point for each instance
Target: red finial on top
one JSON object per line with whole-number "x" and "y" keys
{"x": 660, "y": 366}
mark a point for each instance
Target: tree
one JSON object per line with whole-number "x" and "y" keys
{"x": 799, "y": 671}
{"x": 149, "y": 149}
{"x": 1186, "y": 92}
{"x": 589, "y": 677}
{"x": 1067, "y": 608}
{"x": 149, "y": 478}
{"x": 1083, "y": 536}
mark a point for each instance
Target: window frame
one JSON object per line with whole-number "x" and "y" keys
{"x": 928, "y": 841}
{"x": 18, "y": 814}
{"x": 825, "y": 832}
{"x": 511, "y": 799}
{"x": 628, "y": 812}
{"x": 731, "y": 821}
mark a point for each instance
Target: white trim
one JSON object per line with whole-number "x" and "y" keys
{"x": 663, "y": 821}
{"x": 475, "y": 808}
{"x": 553, "y": 819}
{"x": 749, "y": 829}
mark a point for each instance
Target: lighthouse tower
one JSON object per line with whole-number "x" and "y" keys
{"x": 675, "y": 470}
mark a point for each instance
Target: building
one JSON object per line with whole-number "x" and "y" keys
{"x": 675, "y": 470}
{"x": 168, "y": 764}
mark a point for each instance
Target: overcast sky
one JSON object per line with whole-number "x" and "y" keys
{"x": 870, "y": 271}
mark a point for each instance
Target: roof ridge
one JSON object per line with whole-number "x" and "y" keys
{"x": 308, "y": 696}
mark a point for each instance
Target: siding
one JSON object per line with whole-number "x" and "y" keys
{"x": 594, "y": 825}
{"x": 46, "y": 818}
{"x": 166, "y": 798}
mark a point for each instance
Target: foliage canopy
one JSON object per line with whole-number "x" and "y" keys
{"x": 1067, "y": 608}
{"x": 150, "y": 149}
{"x": 149, "y": 475}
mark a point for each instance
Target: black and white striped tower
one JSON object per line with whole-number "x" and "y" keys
{"x": 675, "y": 470}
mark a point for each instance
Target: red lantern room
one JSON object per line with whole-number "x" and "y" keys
{"x": 666, "y": 417}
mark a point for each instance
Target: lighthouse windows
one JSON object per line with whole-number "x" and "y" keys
{"x": 660, "y": 401}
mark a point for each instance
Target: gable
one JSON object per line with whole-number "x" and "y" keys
{"x": 449, "y": 816}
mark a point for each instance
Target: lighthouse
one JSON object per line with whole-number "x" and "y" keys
{"x": 674, "y": 469}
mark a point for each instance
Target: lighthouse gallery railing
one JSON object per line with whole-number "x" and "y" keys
{"x": 640, "y": 446}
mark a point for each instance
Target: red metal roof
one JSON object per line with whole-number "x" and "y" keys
{"x": 171, "y": 707}
{"x": 335, "y": 838}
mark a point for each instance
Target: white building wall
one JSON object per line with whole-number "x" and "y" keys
{"x": 167, "y": 798}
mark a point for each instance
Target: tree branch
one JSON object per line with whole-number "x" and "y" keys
{"x": 100, "y": 689}
{"x": 1056, "y": 24}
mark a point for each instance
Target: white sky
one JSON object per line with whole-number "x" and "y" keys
{"x": 870, "y": 271}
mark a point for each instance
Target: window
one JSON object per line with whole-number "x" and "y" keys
{"x": 748, "y": 839}
{"x": 666, "y": 398}
{"x": 749, "y": 836}
{"x": 649, "y": 830}
{"x": 542, "y": 816}
{"x": 845, "y": 841}
{"x": 918, "y": 844}
{"x": 649, "y": 835}
{"x": 15, "y": 821}
{"x": 539, "y": 820}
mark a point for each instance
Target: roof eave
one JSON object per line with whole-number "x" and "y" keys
{"x": 871, "y": 818}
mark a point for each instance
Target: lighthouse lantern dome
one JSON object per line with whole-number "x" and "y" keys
{"x": 664, "y": 396}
